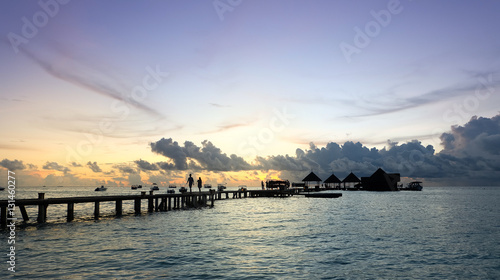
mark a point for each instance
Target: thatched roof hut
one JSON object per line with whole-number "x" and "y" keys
{"x": 332, "y": 180}
{"x": 381, "y": 181}
{"x": 351, "y": 178}
{"x": 312, "y": 178}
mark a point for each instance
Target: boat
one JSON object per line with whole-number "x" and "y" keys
{"x": 139, "y": 187}
{"x": 154, "y": 187}
{"x": 242, "y": 188}
{"x": 412, "y": 186}
{"x": 2, "y": 188}
{"x": 134, "y": 187}
{"x": 221, "y": 187}
{"x": 182, "y": 189}
{"x": 207, "y": 186}
{"x": 172, "y": 186}
{"x": 170, "y": 191}
{"x": 100, "y": 189}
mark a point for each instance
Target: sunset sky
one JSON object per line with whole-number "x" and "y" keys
{"x": 125, "y": 92}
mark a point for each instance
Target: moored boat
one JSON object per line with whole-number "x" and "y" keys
{"x": 155, "y": 187}
{"x": 412, "y": 186}
{"x": 221, "y": 187}
{"x": 100, "y": 189}
{"x": 207, "y": 186}
{"x": 134, "y": 187}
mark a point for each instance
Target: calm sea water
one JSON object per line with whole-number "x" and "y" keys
{"x": 439, "y": 233}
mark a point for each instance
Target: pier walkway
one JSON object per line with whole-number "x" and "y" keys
{"x": 155, "y": 202}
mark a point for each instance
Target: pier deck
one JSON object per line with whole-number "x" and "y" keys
{"x": 155, "y": 202}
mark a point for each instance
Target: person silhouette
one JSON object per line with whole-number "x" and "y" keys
{"x": 199, "y": 184}
{"x": 190, "y": 182}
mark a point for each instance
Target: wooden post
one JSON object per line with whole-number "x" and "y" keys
{"x": 169, "y": 203}
{"x": 212, "y": 197}
{"x": 42, "y": 209}
{"x": 137, "y": 205}
{"x": 96, "y": 210}
{"x": 24, "y": 213}
{"x": 71, "y": 212}
{"x": 150, "y": 205}
{"x": 156, "y": 205}
{"x": 119, "y": 208}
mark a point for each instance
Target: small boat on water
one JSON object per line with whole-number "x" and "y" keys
{"x": 134, "y": 187}
{"x": 221, "y": 187}
{"x": 242, "y": 188}
{"x": 207, "y": 186}
{"x": 183, "y": 189}
{"x": 170, "y": 191}
{"x": 2, "y": 188}
{"x": 172, "y": 186}
{"x": 100, "y": 189}
{"x": 412, "y": 186}
{"x": 154, "y": 187}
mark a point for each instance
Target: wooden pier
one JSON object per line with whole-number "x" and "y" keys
{"x": 155, "y": 202}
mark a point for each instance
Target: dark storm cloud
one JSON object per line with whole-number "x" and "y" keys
{"x": 94, "y": 167}
{"x": 146, "y": 166}
{"x": 206, "y": 157}
{"x": 471, "y": 155}
{"x": 12, "y": 165}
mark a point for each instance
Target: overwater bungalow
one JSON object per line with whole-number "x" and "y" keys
{"x": 312, "y": 178}
{"x": 381, "y": 181}
{"x": 332, "y": 182}
{"x": 353, "y": 180}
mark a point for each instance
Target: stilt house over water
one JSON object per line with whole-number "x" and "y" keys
{"x": 332, "y": 182}
{"x": 351, "y": 178}
{"x": 381, "y": 181}
{"x": 312, "y": 178}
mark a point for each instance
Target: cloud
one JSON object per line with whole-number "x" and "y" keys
{"x": 477, "y": 82}
{"x": 94, "y": 167}
{"x": 207, "y": 157}
{"x": 55, "y": 166}
{"x": 125, "y": 169}
{"x": 476, "y": 144}
{"x": 471, "y": 155}
{"x": 12, "y": 165}
{"x": 87, "y": 77}
{"x": 146, "y": 166}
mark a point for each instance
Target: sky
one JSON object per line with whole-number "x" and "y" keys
{"x": 239, "y": 91}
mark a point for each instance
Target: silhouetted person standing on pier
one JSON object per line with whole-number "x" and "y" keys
{"x": 190, "y": 182}
{"x": 199, "y": 183}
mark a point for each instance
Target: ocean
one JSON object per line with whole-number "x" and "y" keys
{"x": 438, "y": 233}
